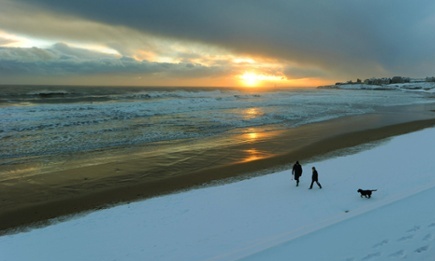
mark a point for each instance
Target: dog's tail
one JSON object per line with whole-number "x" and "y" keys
{"x": 374, "y": 190}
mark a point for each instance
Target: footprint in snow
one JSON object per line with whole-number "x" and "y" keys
{"x": 383, "y": 242}
{"x": 414, "y": 229}
{"x": 405, "y": 238}
{"x": 431, "y": 225}
{"x": 421, "y": 249}
{"x": 372, "y": 255}
{"x": 428, "y": 237}
{"x": 398, "y": 254}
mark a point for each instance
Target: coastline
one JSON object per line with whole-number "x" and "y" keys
{"x": 37, "y": 199}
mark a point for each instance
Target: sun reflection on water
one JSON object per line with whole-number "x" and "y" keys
{"x": 254, "y": 137}
{"x": 253, "y": 154}
{"x": 252, "y": 113}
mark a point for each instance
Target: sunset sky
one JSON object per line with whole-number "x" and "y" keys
{"x": 214, "y": 42}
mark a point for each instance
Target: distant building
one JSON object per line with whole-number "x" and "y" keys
{"x": 386, "y": 81}
{"x": 400, "y": 79}
{"x": 430, "y": 79}
{"x": 377, "y": 81}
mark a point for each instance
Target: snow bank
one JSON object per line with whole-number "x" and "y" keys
{"x": 267, "y": 217}
{"x": 428, "y": 87}
{"x": 402, "y": 230}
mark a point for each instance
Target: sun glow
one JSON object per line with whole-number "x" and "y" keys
{"x": 253, "y": 79}
{"x": 17, "y": 41}
{"x": 250, "y": 79}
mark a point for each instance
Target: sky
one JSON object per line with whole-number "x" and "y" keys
{"x": 214, "y": 42}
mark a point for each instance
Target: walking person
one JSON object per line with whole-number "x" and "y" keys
{"x": 297, "y": 172}
{"x": 315, "y": 178}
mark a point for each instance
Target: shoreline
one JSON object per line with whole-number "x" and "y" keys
{"x": 33, "y": 201}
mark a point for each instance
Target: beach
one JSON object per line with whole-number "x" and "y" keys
{"x": 35, "y": 200}
{"x": 267, "y": 217}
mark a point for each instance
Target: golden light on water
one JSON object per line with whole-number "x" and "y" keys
{"x": 253, "y": 154}
{"x": 252, "y": 113}
{"x": 252, "y": 136}
{"x": 253, "y": 141}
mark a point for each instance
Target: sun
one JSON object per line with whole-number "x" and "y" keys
{"x": 254, "y": 79}
{"x": 250, "y": 79}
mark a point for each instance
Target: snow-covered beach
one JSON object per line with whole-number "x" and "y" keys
{"x": 267, "y": 217}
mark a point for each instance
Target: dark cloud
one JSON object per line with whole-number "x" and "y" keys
{"x": 373, "y": 36}
{"x": 296, "y": 72}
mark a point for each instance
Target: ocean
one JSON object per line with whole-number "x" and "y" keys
{"x": 44, "y": 128}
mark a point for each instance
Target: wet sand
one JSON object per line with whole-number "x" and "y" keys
{"x": 146, "y": 172}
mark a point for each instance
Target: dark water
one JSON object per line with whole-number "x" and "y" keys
{"x": 42, "y": 127}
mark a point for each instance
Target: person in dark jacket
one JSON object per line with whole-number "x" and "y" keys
{"x": 315, "y": 178}
{"x": 297, "y": 172}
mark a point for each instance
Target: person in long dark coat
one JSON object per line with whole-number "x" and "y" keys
{"x": 315, "y": 178}
{"x": 297, "y": 172}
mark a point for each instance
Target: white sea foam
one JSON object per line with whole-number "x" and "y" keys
{"x": 67, "y": 120}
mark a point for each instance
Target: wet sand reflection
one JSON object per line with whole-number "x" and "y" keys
{"x": 254, "y": 137}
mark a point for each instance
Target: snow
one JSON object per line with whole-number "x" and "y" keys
{"x": 267, "y": 217}
{"x": 417, "y": 86}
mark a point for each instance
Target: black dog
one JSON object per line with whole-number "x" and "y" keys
{"x": 366, "y": 193}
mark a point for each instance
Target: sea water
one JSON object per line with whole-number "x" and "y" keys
{"x": 43, "y": 125}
